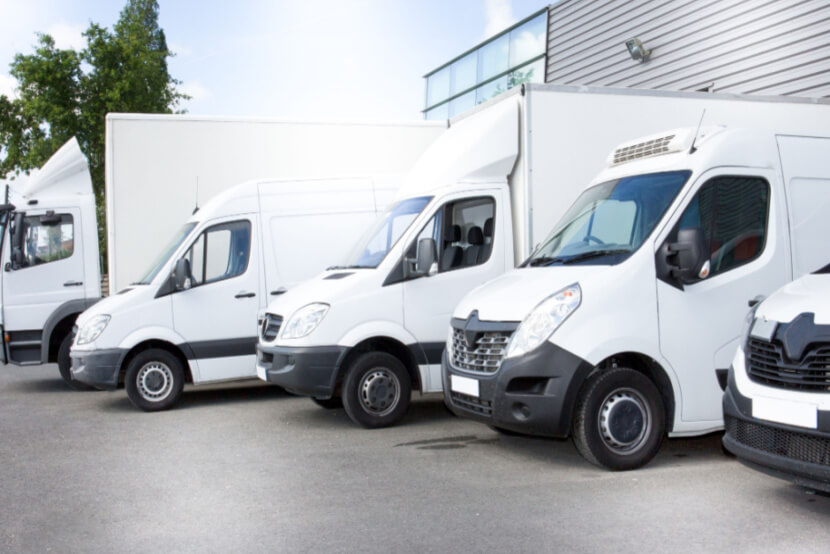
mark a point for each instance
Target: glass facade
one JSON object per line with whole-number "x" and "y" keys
{"x": 513, "y": 57}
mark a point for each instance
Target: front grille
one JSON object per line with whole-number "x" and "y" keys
{"x": 486, "y": 354}
{"x": 790, "y": 444}
{"x": 471, "y": 403}
{"x": 270, "y": 327}
{"x": 767, "y": 364}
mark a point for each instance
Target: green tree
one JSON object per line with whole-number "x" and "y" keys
{"x": 62, "y": 93}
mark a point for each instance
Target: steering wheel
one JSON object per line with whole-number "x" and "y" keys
{"x": 589, "y": 238}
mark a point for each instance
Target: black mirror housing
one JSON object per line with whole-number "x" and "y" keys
{"x": 426, "y": 256}
{"x": 689, "y": 256}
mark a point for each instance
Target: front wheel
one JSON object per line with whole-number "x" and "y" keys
{"x": 65, "y": 365}
{"x": 620, "y": 420}
{"x": 376, "y": 390}
{"x": 154, "y": 380}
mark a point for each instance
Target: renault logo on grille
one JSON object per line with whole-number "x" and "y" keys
{"x": 471, "y": 335}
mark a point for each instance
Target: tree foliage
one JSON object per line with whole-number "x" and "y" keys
{"x": 64, "y": 93}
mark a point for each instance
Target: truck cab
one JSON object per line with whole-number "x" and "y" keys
{"x": 191, "y": 318}
{"x": 622, "y": 323}
{"x": 50, "y": 261}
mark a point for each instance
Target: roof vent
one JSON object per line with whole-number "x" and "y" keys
{"x": 645, "y": 149}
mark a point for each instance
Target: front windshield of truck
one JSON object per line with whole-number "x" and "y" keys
{"x": 609, "y": 221}
{"x": 165, "y": 254}
{"x": 384, "y": 233}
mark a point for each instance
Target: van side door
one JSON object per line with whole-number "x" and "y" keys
{"x": 740, "y": 212}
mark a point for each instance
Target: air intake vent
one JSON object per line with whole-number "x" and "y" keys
{"x": 647, "y": 149}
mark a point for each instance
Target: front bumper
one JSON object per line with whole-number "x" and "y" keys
{"x": 532, "y": 394}
{"x": 795, "y": 454}
{"x": 311, "y": 370}
{"x": 99, "y": 368}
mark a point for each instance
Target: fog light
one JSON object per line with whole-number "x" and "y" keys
{"x": 521, "y": 411}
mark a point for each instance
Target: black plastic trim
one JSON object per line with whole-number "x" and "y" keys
{"x": 99, "y": 368}
{"x": 427, "y": 352}
{"x": 219, "y": 348}
{"x": 310, "y": 370}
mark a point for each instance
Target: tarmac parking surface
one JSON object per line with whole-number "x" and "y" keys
{"x": 249, "y": 468}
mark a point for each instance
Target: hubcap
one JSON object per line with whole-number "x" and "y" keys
{"x": 624, "y": 421}
{"x": 155, "y": 381}
{"x": 379, "y": 391}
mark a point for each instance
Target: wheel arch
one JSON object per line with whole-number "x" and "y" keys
{"x": 380, "y": 344}
{"x": 162, "y": 345}
{"x": 58, "y": 324}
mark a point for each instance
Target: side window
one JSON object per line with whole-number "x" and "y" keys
{"x": 47, "y": 238}
{"x": 221, "y": 252}
{"x": 463, "y": 233}
{"x": 733, "y": 214}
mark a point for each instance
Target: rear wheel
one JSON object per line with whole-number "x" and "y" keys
{"x": 376, "y": 390}
{"x": 154, "y": 380}
{"x": 620, "y": 420}
{"x": 65, "y": 365}
{"x": 333, "y": 403}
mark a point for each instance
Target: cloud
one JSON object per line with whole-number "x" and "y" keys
{"x": 181, "y": 50}
{"x": 8, "y": 86}
{"x": 498, "y": 15}
{"x": 196, "y": 90}
{"x": 67, "y": 36}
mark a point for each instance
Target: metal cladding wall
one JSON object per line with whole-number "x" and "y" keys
{"x": 771, "y": 47}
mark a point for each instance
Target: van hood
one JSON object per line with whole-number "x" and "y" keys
{"x": 326, "y": 287}
{"x": 113, "y": 304}
{"x": 809, "y": 294}
{"x": 512, "y": 296}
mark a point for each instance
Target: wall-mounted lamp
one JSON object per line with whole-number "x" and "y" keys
{"x": 637, "y": 51}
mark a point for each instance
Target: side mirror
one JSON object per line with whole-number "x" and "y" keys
{"x": 424, "y": 262}
{"x": 5, "y": 208}
{"x": 181, "y": 275}
{"x": 18, "y": 259}
{"x": 689, "y": 256}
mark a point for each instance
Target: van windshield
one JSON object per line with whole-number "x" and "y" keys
{"x": 165, "y": 254}
{"x": 370, "y": 250}
{"x": 609, "y": 221}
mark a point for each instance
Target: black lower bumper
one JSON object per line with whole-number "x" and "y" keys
{"x": 99, "y": 368}
{"x": 795, "y": 454}
{"x": 532, "y": 394}
{"x": 311, "y": 370}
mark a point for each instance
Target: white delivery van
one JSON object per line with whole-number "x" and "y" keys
{"x": 50, "y": 261}
{"x": 472, "y": 208}
{"x": 619, "y": 326}
{"x": 776, "y": 407}
{"x": 192, "y": 317}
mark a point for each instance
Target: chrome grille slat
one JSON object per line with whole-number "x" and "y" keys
{"x": 485, "y": 356}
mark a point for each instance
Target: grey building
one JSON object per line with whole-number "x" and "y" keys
{"x": 768, "y": 47}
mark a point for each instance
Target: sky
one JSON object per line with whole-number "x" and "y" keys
{"x": 331, "y": 60}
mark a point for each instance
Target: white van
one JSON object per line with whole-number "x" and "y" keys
{"x": 50, "y": 261}
{"x": 618, "y": 327}
{"x": 192, "y": 317}
{"x": 776, "y": 407}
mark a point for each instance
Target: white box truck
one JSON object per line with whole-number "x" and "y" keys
{"x": 776, "y": 407}
{"x": 621, "y": 325}
{"x": 159, "y": 167}
{"x": 50, "y": 261}
{"x": 490, "y": 188}
{"x": 192, "y": 316}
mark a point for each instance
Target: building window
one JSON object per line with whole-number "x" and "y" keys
{"x": 513, "y": 57}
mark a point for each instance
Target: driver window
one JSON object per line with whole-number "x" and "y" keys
{"x": 732, "y": 212}
{"x": 47, "y": 239}
{"x": 221, "y": 252}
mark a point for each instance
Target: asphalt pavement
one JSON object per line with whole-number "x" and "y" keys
{"x": 249, "y": 468}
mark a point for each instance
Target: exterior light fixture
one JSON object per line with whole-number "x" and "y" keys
{"x": 637, "y": 51}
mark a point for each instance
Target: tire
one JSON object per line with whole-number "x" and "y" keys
{"x": 333, "y": 403}
{"x": 65, "y": 365}
{"x": 376, "y": 390}
{"x": 154, "y": 380}
{"x": 620, "y": 420}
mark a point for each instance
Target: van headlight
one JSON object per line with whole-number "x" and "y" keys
{"x": 304, "y": 321}
{"x": 543, "y": 320}
{"x": 92, "y": 329}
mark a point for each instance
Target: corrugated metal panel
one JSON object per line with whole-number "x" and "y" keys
{"x": 779, "y": 47}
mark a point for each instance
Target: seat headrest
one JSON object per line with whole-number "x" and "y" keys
{"x": 453, "y": 234}
{"x": 475, "y": 236}
{"x": 488, "y": 227}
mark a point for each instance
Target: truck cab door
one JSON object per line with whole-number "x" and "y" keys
{"x": 470, "y": 236}
{"x": 216, "y": 313}
{"x": 740, "y": 213}
{"x": 42, "y": 270}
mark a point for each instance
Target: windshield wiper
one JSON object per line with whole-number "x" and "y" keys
{"x": 578, "y": 257}
{"x": 335, "y": 267}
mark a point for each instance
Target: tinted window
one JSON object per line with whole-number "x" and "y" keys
{"x": 732, "y": 212}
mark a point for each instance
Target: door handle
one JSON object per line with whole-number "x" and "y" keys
{"x": 73, "y": 283}
{"x": 245, "y": 295}
{"x": 279, "y": 291}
